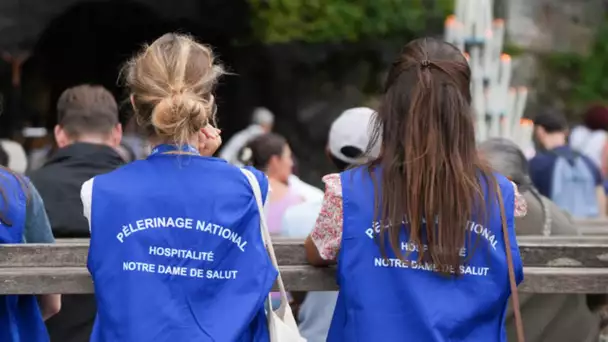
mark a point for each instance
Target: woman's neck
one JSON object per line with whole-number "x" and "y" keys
{"x": 276, "y": 181}
{"x": 158, "y": 141}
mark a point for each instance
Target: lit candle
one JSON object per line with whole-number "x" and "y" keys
{"x": 474, "y": 62}
{"x": 479, "y": 103}
{"x": 449, "y": 29}
{"x": 487, "y": 15}
{"x": 498, "y": 28}
{"x": 510, "y": 126}
{"x": 487, "y": 55}
{"x": 524, "y": 137}
{"x": 469, "y": 19}
{"x": 520, "y": 103}
{"x": 505, "y": 73}
{"x": 460, "y": 35}
{"x": 460, "y": 8}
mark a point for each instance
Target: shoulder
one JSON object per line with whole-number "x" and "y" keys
{"x": 506, "y": 185}
{"x": 299, "y": 220}
{"x": 260, "y": 177}
{"x": 305, "y": 190}
{"x": 333, "y": 184}
{"x": 590, "y": 163}
{"x": 86, "y": 196}
{"x": 541, "y": 157}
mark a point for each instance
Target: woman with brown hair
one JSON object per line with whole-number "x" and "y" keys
{"x": 271, "y": 154}
{"x": 418, "y": 232}
{"x": 176, "y": 248}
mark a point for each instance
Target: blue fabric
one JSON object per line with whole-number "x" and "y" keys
{"x": 167, "y": 148}
{"x": 380, "y": 300}
{"x": 20, "y": 316}
{"x": 37, "y": 226}
{"x": 136, "y": 215}
{"x": 543, "y": 164}
{"x": 573, "y": 187}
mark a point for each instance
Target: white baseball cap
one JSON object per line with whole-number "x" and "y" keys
{"x": 353, "y": 128}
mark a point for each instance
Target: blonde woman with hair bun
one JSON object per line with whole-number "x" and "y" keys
{"x": 176, "y": 251}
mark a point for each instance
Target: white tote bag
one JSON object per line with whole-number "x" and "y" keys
{"x": 282, "y": 326}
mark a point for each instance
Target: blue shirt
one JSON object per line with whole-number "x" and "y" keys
{"x": 37, "y": 226}
{"x": 542, "y": 166}
{"x": 20, "y": 316}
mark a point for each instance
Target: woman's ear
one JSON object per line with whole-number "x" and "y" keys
{"x": 272, "y": 163}
{"x": 132, "y": 100}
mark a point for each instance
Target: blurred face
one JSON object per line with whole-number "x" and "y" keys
{"x": 539, "y": 134}
{"x": 267, "y": 128}
{"x": 280, "y": 167}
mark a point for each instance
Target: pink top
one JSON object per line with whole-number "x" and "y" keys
{"x": 275, "y": 210}
{"x": 327, "y": 232}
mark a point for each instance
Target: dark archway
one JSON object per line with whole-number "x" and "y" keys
{"x": 91, "y": 40}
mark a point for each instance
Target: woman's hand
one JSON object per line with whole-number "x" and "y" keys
{"x": 209, "y": 140}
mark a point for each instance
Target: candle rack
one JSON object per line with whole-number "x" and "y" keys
{"x": 498, "y": 107}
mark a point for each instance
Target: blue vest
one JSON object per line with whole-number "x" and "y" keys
{"x": 382, "y": 299}
{"x": 20, "y": 316}
{"x": 176, "y": 253}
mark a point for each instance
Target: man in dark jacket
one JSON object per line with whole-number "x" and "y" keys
{"x": 87, "y": 135}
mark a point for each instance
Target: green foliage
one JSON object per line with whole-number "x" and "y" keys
{"x": 589, "y": 73}
{"x": 512, "y": 50}
{"x": 314, "y": 21}
{"x": 593, "y": 84}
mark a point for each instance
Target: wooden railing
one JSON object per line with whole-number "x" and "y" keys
{"x": 552, "y": 265}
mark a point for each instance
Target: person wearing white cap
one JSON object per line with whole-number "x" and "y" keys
{"x": 262, "y": 122}
{"x": 349, "y": 137}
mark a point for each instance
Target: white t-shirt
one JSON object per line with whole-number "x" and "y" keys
{"x": 86, "y": 195}
{"x": 305, "y": 190}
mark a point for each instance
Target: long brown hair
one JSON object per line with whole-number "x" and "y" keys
{"x": 429, "y": 168}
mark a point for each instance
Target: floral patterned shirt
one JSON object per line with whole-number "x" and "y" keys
{"x": 327, "y": 232}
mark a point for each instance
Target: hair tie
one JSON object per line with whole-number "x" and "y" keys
{"x": 246, "y": 155}
{"x": 425, "y": 63}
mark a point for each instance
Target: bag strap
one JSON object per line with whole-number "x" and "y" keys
{"x": 255, "y": 186}
{"x": 519, "y": 325}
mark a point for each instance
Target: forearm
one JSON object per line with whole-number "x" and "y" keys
{"x": 50, "y": 305}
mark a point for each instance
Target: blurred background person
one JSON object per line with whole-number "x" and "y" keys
{"x": 546, "y": 317}
{"x": 565, "y": 175}
{"x": 306, "y": 191}
{"x": 87, "y": 134}
{"x": 24, "y": 220}
{"x": 591, "y": 138}
{"x": 349, "y": 137}
{"x": 17, "y": 159}
{"x": 271, "y": 154}
{"x": 262, "y": 122}
{"x": 428, "y": 170}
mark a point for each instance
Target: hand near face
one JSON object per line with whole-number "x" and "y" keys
{"x": 209, "y": 140}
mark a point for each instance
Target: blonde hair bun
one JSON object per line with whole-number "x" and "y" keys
{"x": 171, "y": 82}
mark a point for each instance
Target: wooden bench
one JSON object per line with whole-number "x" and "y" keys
{"x": 593, "y": 227}
{"x": 552, "y": 265}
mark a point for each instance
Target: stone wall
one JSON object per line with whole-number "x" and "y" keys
{"x": 540, "y": 28}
